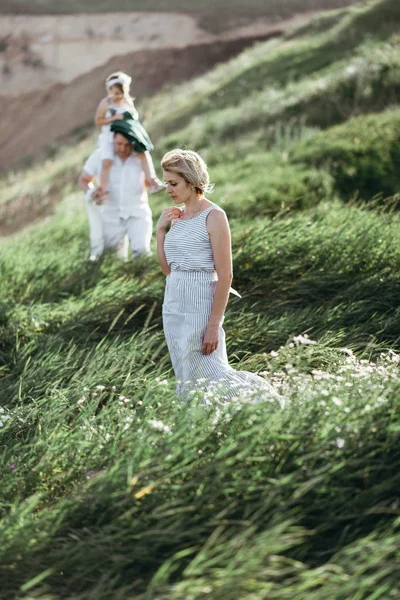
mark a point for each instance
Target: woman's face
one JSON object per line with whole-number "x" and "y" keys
{"x": 178, "y": 189}
{"x": 116, "y": 95}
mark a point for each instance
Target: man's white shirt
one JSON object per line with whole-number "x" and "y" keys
{"x": 126, "y": 187}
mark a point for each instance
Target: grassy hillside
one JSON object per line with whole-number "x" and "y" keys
{"x": 322, "y": 75}
{"x": 112, "y": 489}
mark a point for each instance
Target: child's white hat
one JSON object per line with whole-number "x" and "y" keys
{"x": 123, "y": 79}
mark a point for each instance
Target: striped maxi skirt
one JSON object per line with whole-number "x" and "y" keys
{"x": 186, "y": 309}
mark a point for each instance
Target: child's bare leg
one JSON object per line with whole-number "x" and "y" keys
{"x": 147, "y": 166}
{"x": 104, "y": 175}
{"x": 152, "y": 181}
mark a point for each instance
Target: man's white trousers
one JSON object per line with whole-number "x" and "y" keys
{"x": 108, "y": 230}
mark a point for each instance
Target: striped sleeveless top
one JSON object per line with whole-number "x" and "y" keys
{"x": 187, "y": 244}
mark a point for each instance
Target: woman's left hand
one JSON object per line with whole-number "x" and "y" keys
{"x": 210, "y": 340}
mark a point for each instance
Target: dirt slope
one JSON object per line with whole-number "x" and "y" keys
{"x": 40, "y": 51}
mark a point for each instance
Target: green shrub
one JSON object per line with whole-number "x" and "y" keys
{"x": 362, "y": 155}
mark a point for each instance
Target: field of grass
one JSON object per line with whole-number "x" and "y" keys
{"x": 110, "y": 489}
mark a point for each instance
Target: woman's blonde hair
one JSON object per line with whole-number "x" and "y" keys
{"x": 191, "y": 167}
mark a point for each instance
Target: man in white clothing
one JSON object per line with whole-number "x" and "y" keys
{"x": 125, "y": 210}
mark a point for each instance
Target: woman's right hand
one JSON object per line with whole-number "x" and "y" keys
{"x": 167, "y": 215}
{"x": 118, "y": 117}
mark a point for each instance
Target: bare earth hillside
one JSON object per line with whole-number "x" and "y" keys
{"x": 37, "y": 51}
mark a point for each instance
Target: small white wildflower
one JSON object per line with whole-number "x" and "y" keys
{"x": 100, "y": 387}
{"x": 336, "y": 401}
{"x": 340, "y": 442}
{"x": 81, "y": 400}
{"x": 304, "y": 339}
{"x": 324, "y": 393}
{"x": 274, "y": 354}
{"x": 319, "y": 374}
{"x": 159, "y": 425}
{"x": 108, "y": 437}
{"x": 348, "y": 351}
{"x": 1, "y": 424}
{"x": 351, "y": 69}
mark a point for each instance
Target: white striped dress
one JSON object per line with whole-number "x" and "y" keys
{"x": 188, "y": 301}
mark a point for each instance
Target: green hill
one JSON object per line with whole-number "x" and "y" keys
{"x": 111, "y": 489}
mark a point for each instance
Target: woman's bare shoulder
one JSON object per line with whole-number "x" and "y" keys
{"x": 216, "y": 212}
{"x": 216, "y": 219}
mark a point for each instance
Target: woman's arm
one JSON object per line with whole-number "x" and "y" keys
{"x": 160, "y": 235}
{"x": 169, "y": 213}
{"x": 100, "y": 117}
{"x": 220, "y": 237}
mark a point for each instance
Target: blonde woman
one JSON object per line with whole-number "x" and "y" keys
{"x": 195, "y": 255}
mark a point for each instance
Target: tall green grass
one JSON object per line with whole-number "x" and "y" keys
{"x": 111, "y": 488}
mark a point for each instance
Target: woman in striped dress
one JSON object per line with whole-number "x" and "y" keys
{"x": 196, "y": 257}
